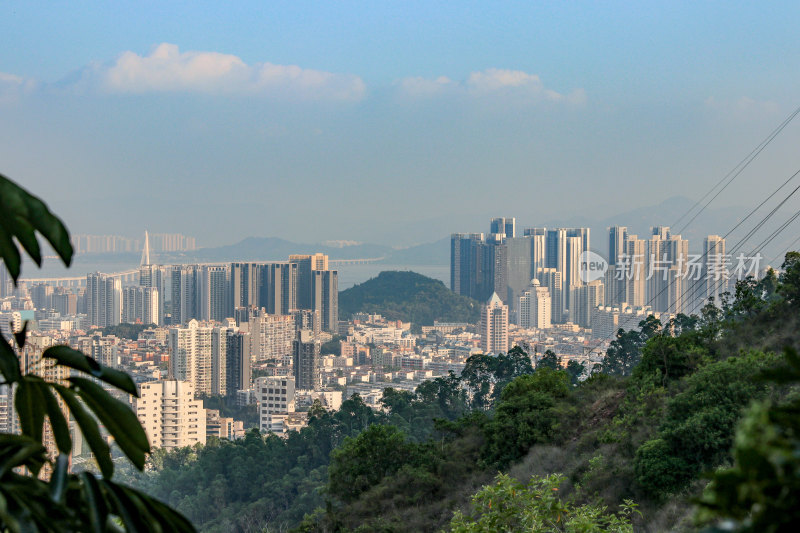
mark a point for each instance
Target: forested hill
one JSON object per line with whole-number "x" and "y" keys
{"x": 409, "y": 297}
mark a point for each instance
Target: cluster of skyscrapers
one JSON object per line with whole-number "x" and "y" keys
{"x": 216, "y": 292}
{"x": 543, "y": 275}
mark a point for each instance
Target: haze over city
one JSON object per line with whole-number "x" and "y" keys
{"x": 394, "y": 124}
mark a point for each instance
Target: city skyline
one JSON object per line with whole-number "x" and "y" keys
{"x": 363, "y": 266}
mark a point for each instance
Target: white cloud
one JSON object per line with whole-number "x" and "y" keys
{"x": 493, "y": 79}
{"x": 490, "y": 82}
{"x": 418, "y": 86}
{"x": 743, "y": 108}
{"x": 167, "y": 69}
{"x": 12, "y": 86}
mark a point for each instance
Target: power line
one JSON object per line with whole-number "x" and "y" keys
{"x": 785, "y": 249}
{"x": 741, "y": 166}
{"x": 774, "y": 234}
{"x": 758, "y": 226}
{"x": 740, "y": 243}
{"x": 745, "y": 219}
{"x": 736, "y": 171}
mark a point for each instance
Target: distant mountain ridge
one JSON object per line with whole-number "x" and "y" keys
{"x": 277, "y": 249}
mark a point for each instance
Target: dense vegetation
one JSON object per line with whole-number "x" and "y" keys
{"x": 409, "y": 297}
{"x": 491, "y": 446}
{"x": 228, "y": 408}
{"x": 124, "y": 331}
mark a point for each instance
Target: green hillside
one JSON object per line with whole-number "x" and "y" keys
{"x": 507, "y": 444}
{"x": 409, "y": 297}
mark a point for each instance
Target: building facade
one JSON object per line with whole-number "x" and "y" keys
{"x": 170, "y": 415}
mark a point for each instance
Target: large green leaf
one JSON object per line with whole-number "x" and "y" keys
{"x": 95, "y": 502}
{"x": 118, "y": 418}
{"x": 21, "y": 336}
{"x": 21, "y": 216}
{"x": 19, "y": 450}
{"x": 89, "y": 429}
{"x": 29, "y": 507}
{"x": 128, "y": 508}
{"x": 58, "y": 480}
{"x": 30, "y": 408}
{"x": 66, "y": 356}
{"x": 58, "y": 423}
{"x": 165, "y": 515}
{"x": 9, "y": 362}
{"x": 141, "y": 512}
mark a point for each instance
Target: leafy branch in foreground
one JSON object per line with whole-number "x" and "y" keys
{"x": 760, "y": 491}
{"x": 508, "y": 505}
{"x": 37, "y": 491}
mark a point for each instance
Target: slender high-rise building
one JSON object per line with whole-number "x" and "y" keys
{"x": 190, "y": 359}
{"x": 615, "y": 284}
{"x": 467, "y": 264}
{"x": 213, "y": 292}
{"x": 634, "y": 271}
{"x": 495, "y": 268}
{"x": 676, "y": 285}
{"x": 556, "y": 249}
{"x": 617, "y": 235}
{"x": 715, "y": 271}
{"x": 6, "y": 283}
{"x": 306, "y": 265}
{"x": 657, "y": 269}
{"x": 238, "y": 369}
{"x": 676, "y": 251}
{"x": 307, "y": 361}
{"x": 494, "y": 326}
{"x": 219, "y": 360}
{"x": 279, "y": 288}
{"x": 537, "y": 251}
{"x": 518, "y": 271}
{"x": 103, "y": 300}
{"x": 245, "y": 285}
{"x": 154, "y": 276}
{"x": 551, "y": 278}
{"x": 325, "y": 298}
{"x": 535, "y": 307}
{"x": 572, "y": 267}
{"x": 184, "y": 304}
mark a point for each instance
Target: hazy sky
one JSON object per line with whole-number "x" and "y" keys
{"x": 388, "y": 122}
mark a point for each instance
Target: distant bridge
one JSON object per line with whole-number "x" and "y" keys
{"x": 363, "y": 261}
{"x": 79, "y": 281}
